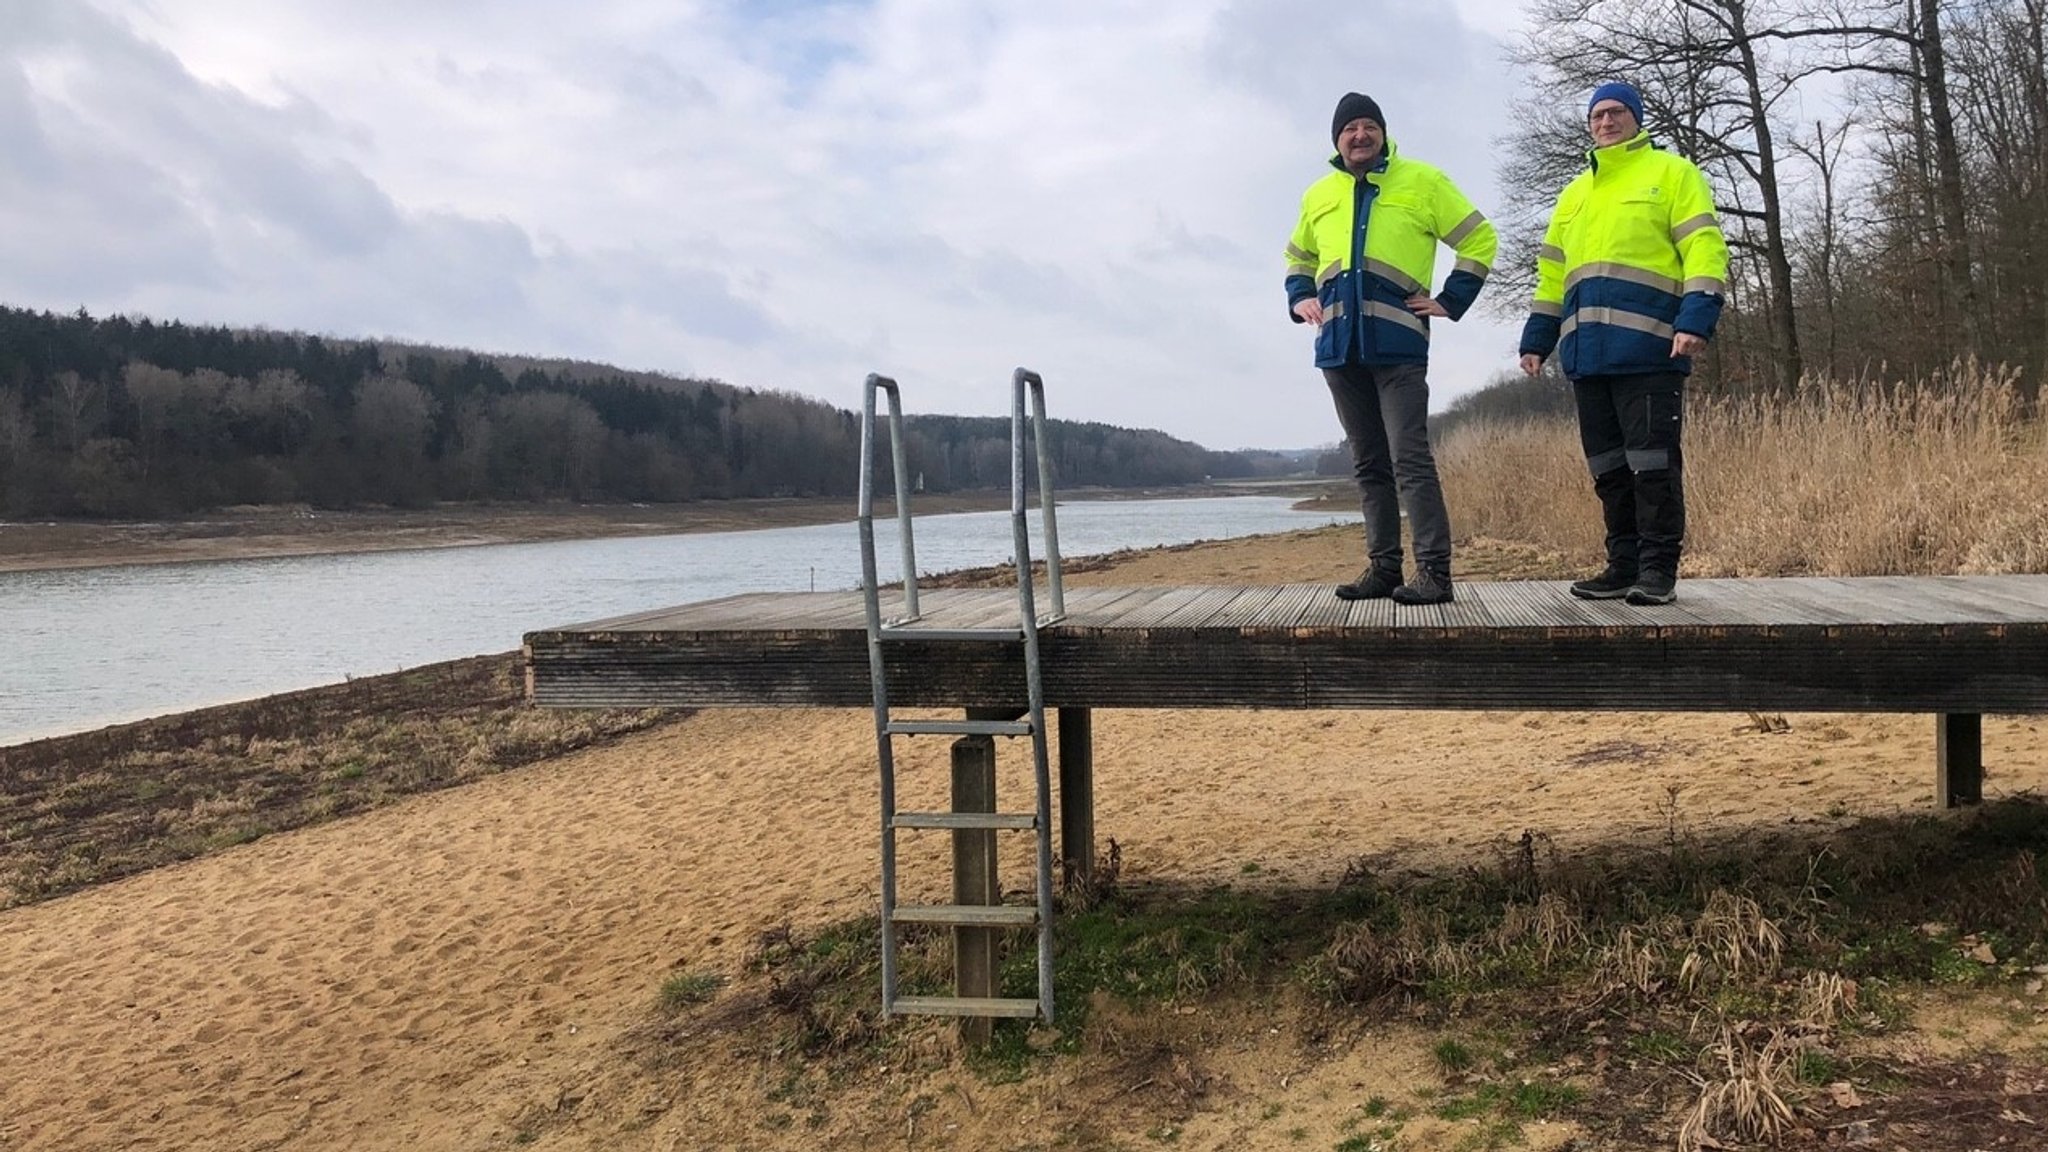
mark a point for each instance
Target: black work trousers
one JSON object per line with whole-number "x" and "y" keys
{"x": 1631, "y": 427}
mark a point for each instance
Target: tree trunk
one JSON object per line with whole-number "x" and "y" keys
{"x": 1784, "y": 331}
{"x": 1949, "y": 168}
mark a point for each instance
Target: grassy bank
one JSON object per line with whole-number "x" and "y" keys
{"x": 1702, "y": 993}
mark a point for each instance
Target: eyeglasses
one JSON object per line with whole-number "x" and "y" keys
{"x": 1599, "y": 114}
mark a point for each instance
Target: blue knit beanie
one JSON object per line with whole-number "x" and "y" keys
{"x": 1626, "y": 93}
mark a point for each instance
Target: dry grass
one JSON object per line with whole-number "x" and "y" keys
{"x": 1743, "y": 1095}
{"x": 1835, "y": 479}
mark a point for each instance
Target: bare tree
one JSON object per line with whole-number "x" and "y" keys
{"x": 77, "y": 407}
{"x": 1821, "y": 245}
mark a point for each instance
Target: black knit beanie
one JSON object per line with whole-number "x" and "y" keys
{"x": 1352, "y": 107}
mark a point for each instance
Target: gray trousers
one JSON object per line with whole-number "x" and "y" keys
{"x": 1384, "y": 409}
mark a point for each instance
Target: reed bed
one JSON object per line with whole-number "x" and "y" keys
{"x": 1946, "y": 475}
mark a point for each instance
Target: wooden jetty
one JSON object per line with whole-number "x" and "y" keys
{"x": 1955, "y": 647}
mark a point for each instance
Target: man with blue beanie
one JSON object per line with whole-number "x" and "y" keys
{"x": 1629, "y": 284}
{"x": 1359, "y": 269}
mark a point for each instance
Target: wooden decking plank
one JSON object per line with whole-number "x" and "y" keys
{"x": 1788, "y": 602}
{"x": 1132, "y": 605}
{"x": 1102, "y": 606}
{"x": 1879, "y": 602}
{"x": 1151, "y": 613}
{"x": 1324, "y": 611}
{"x": 718, "y": 608}
{"x": 1925, "y": 604}
{"x": 1287, "y": 607}
{"x": 1709, "y": 603}
{"x": 1473, "y": 608}
{"x": 1467, "y": 612}
{"x": 1250, "y": 606}
{"x": 719, "y": 616}
{"x": 1555, "y": 607}
{"x": 1083, "y": 604}
{"x": 1521, "y": 605}
{"x": 993, "y": 608}
{"x": 1198, "y": 612}
{"x": 813, "y": 612}
{"x": 2015, "y": 599}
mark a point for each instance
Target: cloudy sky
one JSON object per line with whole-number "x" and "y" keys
{"x": 781, "y": 194}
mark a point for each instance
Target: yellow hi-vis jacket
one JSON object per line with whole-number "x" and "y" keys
{"x": 1633, "y": 255}
{"x": 1363, "y": 246}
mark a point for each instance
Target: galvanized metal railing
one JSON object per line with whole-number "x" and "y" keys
{"x": 877, "y": 383}
{"x": 1027, "y": 381}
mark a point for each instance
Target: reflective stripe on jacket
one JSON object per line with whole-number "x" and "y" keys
{"x": 1362, "y": 247}
{"x": 1633, "y": 255}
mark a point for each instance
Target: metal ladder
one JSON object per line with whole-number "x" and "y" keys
{"x": 1032, "y": 723}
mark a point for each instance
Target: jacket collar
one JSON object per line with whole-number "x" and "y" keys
{"x": 1615, "y": 155}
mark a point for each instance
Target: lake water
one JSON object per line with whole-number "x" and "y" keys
{"x": 95, "y": 646}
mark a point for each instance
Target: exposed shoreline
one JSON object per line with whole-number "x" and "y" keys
{"x": 456, "y": 914}
{"x": 251, "y": 533}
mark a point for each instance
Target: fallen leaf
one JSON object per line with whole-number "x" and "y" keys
{"x": 1844, "y": 1094}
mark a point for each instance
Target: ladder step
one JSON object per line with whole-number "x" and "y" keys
{"x": 964, "y": 1006}
{"x": 959, "y": 727}
{"x": 1014, "y": 821}
{"x": 1011, "y": 634}
{"x": 967, "y": 915}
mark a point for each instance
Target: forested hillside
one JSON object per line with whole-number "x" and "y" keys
{"x": 116, "y": 417}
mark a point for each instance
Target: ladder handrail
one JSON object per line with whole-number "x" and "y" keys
{"x": 871, "y": 599}
{"x": 877, "y": 382}
{"x": 1025, "y": 380}
{"x": 1028, "y": 381}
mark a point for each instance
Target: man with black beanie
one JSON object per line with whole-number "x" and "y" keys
{"x": 1359, "y": 268}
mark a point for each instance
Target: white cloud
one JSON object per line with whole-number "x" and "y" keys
{"x": 781, "y": 195}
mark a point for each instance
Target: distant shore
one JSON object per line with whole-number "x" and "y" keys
{"x": 249, "y": 533}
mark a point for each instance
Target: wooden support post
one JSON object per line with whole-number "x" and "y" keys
{"x": 974, "y": 879}
{"x": 1958, "y": 759}
{"x": 1077, "y": 795}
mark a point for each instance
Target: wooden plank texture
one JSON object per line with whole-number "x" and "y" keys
{"x": 1907, "y": 644}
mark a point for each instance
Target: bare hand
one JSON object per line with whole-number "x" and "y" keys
{"x": 1531, "y": 363}
{"x": 1310, "y": 311}
{"x": 1687, "y": 344}
{"x": 1426, "y": 306}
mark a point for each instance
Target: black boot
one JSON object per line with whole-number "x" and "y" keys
{"x": 1654, "y": 586}
{"x": 1428, "y": 587}
{"x": 1611, "y": 584}
{"x": 1375, "y": 583}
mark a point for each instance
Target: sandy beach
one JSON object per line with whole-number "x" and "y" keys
{"x": 477, "y": 968}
